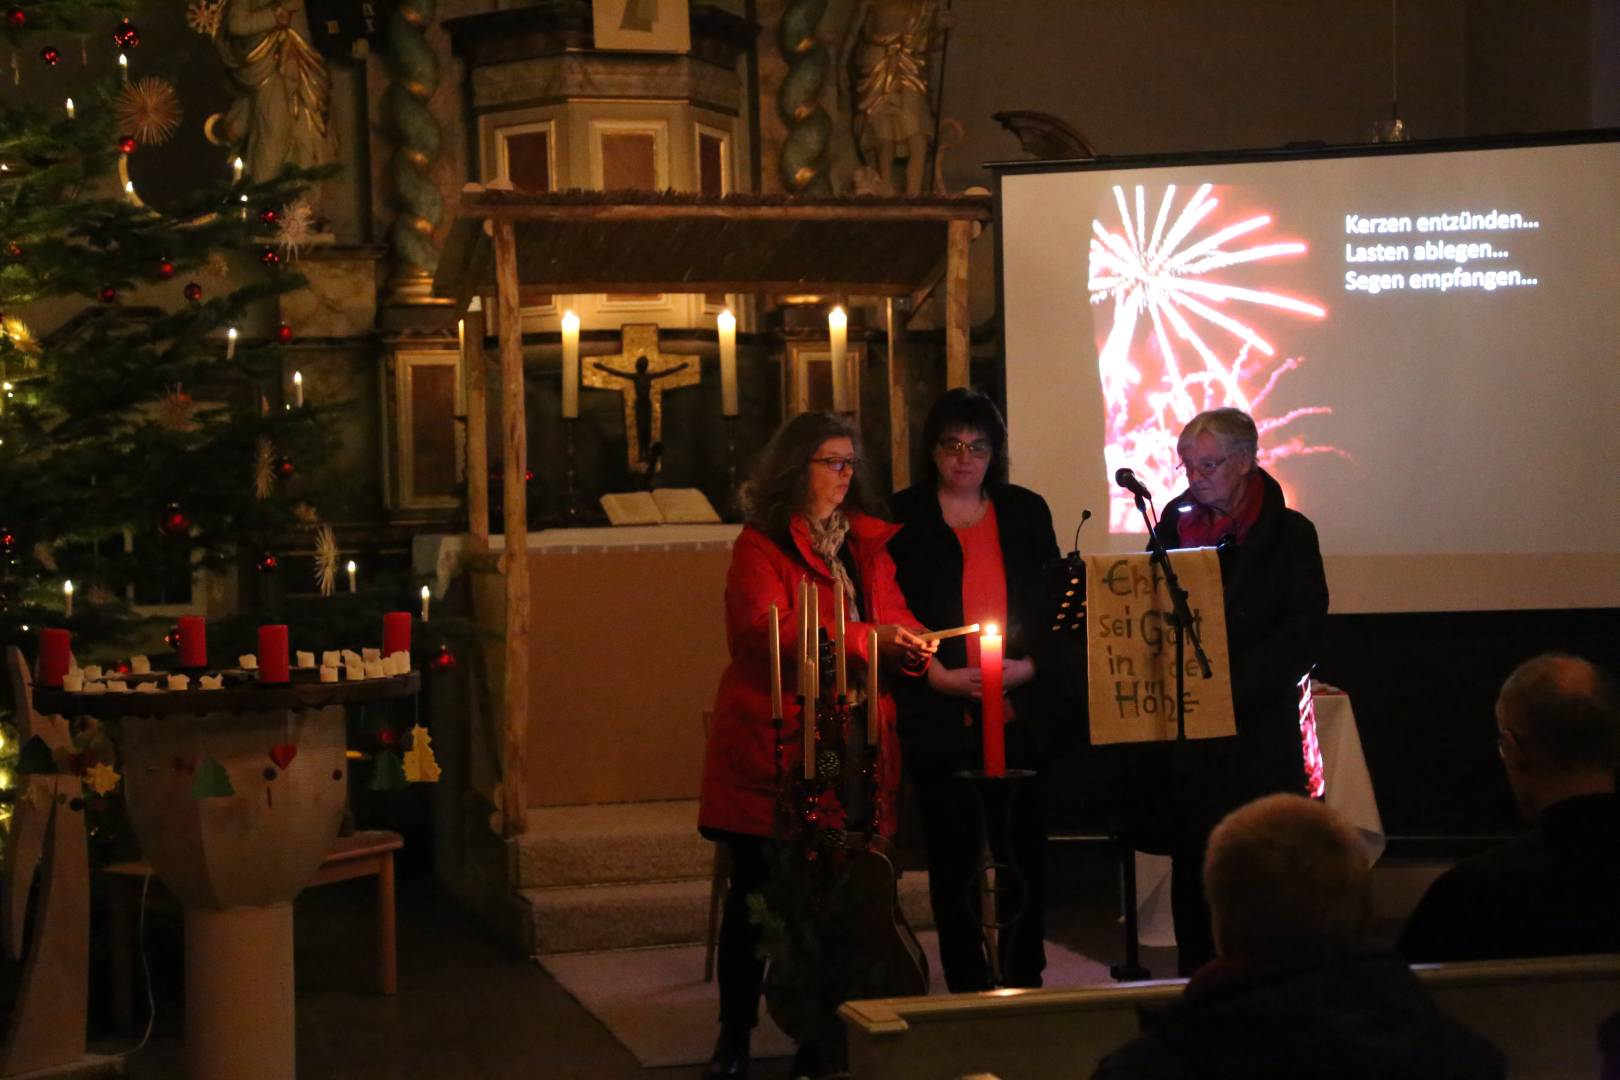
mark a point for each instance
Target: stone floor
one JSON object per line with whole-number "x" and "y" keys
{"x": 467, "y": 1008}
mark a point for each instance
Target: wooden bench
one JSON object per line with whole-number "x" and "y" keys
{"x": 1543, "y": 1014}
{"x": 368, "y": 853}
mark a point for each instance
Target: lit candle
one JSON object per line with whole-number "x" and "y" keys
{"x": 123, "y": 67}
{"x": 727, "y": 327}
{"x": 351, "y": 575}
{"x": 838, "y": 332}
{"x": 774, "y": 643}
{"x": 70, "y": 108}
{"x": 426, "y": 594}
{"x": 872, "y": 687}
{"x": 230, "y": 343}
{"x": 995, "y": 746}
{"x": 129, "y": 189}
{"x": 67, "y": 598}
{"x": 570, "y": 365}
{"x": 840, "y": 665}
{"x": 242, "y": 213}
{"x": 236, "y": 171}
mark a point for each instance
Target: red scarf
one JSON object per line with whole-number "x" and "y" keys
{"x": 1204, "y": 526}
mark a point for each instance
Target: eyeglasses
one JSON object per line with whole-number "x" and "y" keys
{"x": 956, "y": 448}
{"x": 838, "y": 465}
{"x": 1205, "y": 467}
{"x": 1504, "y": 736}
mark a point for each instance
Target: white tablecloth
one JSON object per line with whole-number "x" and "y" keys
{"x": 1349, "y": 791}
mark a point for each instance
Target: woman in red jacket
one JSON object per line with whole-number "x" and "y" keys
{"x": 804, "y": 520}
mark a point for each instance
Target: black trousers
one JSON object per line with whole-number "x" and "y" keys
{"x": 953, "y": 830}
{"x": 740, "y": 970}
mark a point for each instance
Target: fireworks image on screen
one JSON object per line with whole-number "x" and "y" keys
{"x": 1181, "y": 312}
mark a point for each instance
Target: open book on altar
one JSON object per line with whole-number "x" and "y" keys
{"x": 665, "y": 506}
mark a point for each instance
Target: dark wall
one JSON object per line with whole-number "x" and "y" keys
{"x": 1424, "y": 689}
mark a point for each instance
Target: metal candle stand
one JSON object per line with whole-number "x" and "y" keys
{"x": 571, "y": 496}
{"x": 995, "y": 796}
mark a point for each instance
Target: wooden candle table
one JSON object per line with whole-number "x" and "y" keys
{"x": 235, "y": 796}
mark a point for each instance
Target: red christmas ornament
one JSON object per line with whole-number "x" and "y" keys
{"x": 126, "y": 35}
{"x": 268, "y": 562}
{"x": 284, "y": 468}
{"x": 269, "y": 216}
{"x": 388, "y": 736}
{"x": 193, "y": 291}
{"x": 528, "y": 476}
{"x": 14, "y": 250}
{"x": 270, "y": 257}
{"x": 165, "y": 270}
{"x": 445, "y": 661}
{"x": 109, "y": 293}
{"x": 122, "y": 667}
{"x": 284, "y": 334}
{"x": 50, "y": 55}
{"x": 173, "y": 521}
{"x": 172, "y": 638}
{"x": 127, "y": 144}
{"x": 8, "y": 539}
{"x": 17, "y": 18}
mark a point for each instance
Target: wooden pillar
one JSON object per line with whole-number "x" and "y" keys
{"x": 956, "y": 303}
{"x": 472, "y": 370}
{"x": 899, "y": 404}
{"x": 515, "y": 561}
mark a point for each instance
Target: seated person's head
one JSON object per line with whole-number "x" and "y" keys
{"x": 1558, "y": 724}
{"x": 1287, "y": 881}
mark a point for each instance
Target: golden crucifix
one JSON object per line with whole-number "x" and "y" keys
{"x": 641, "y": 373}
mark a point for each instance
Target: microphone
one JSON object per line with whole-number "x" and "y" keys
{"x": 1126, "y": 479}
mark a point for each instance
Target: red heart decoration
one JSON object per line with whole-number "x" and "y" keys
{"x": 282, "y": 754}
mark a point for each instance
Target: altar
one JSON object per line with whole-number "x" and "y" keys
{"x": 626, "y": 646}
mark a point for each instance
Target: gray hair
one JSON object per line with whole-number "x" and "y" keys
{"x": 1287, "y": 881}
{"x": 1233, "y": 428}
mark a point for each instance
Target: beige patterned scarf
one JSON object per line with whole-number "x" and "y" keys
{"x": 826, "y": 538}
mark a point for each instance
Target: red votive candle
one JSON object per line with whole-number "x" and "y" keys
{"x": 193, "y": 641}
{"x": 396, "y": 632}
{"x": 273, "y": 654}
{"x": 55, "y": 653}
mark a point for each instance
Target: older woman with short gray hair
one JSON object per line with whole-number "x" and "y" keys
{"x": 1276, "y": 598}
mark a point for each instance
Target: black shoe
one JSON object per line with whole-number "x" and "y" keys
{"x": 730, "y": 1058}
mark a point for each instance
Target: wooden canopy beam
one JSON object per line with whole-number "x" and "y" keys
{"x": 515, "y": 559}
{"x": 957, "y": 327}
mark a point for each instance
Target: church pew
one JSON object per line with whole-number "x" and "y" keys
{"x": 1543, "y": 1014}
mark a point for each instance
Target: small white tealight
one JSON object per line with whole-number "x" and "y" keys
{"x": 351, "y": 658}
{"x": 95, "y": 688}
{"x": 399, "y": 663}
{"x": 329, "y": 673}
{"x": 354, "y": 672}
{"x": 117, "y": 686}
{"x": 139, "y": 665}
{"x": 92, "y": 672}
{"x": 376, "y": 670}
{"x": 179, "y": 682}
{"x": 248, "y": 662}
{"x": 146, "y": 687}
{"x": 73, "y": 682}
{"x": 211, "y": 682}
{"x": 331, "y": 658}
{"x": 371, "y": 654}
{"x": 305, "y": 659}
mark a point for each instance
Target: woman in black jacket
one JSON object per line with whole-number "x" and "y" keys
{"x": 972, "y": 548}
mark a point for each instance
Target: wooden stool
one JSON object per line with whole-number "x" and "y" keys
{"x": 369, "y": 853}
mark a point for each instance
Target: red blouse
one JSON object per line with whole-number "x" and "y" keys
{"x": 984, "y": 577}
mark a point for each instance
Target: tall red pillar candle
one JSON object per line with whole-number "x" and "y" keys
{"x": 995, "y": 744}
{"x": 55, "y": 655}
{"x": 193, "y": 641}
{"x": 396, "y": 632}
{"x": 273, "y": 654}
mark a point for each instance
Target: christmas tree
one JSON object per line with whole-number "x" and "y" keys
{"x": 144, "y": 442}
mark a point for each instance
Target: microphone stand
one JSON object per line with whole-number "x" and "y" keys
{"x": 1181, "y": 618}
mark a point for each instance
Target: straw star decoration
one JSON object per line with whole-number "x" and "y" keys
{"x": 264, "y": 469}
{"x": 326, "y": 559}
{"x": 204, "y": 17}
{"x": 149, "y": 109}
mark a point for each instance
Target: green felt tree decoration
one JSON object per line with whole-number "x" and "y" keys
{"x": 211, "y": 781}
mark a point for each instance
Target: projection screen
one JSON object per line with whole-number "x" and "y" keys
{"x": 1427, "y": 335}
